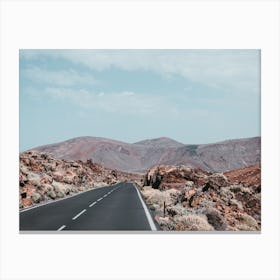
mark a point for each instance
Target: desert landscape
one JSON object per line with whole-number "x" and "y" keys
{"x": 186, "y": 187}
{"x": 158, "y": 140}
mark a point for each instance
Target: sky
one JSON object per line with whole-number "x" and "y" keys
{"x": 192, "y": 96}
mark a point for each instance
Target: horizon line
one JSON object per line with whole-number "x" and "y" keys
{"x": 137, "y": 142}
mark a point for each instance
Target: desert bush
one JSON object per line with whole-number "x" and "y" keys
{"x": 47, "y": 187}
{"x": 192, "y": 222}
{"x": 59, "y": 189}
{"x": 166, "y": 223}
{"x": 177, "y": 209}
{"x": 215, "y": 219}
{"x": 156, "y": 198}
{"x": 60, "y": 194}
{"x": 36, "y": 197}
{"x": 206, "y": 203}
{"x": 51, "y": 194}
{"x": 68, "y": 179}
{"x": 189, "y": 184}
{"x": 236, "y": 203}
{"x": 153, "y": 207}
{"x": 33, "y": 178}
{"x": 226, "y": 194}
{"x": 67, "y": 190}
{"x": 239, "y": 188}
{"x": 247, "y": 222}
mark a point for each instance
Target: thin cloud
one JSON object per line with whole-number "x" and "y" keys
{"x": 230, "y": 70}
{"x": 68, "y": 77}
{"x": 125, "y": 102}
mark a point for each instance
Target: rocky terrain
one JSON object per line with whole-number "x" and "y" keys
{"x": 43, "y": 177}
{"x": 141, "y": 156}
{"x": 190, "y": 199}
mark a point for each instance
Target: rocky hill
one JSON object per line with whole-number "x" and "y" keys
{"x": 185, "y": 198}
{"x": 43, "y": 177}
{"x": 141, "y": 156}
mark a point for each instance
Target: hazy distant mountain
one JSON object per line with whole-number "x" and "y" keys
{"x": 160, "y": 142}
{"x": 140, "y": 156}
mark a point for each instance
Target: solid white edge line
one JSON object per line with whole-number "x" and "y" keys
{"x": 78, "y": 215}
{"x": 92, "y": 204}
{"x": 62, "y": 227}
{"x": 148, "y": 215}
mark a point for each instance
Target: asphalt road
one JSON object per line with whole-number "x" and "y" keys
{"x": 112, "y": 208}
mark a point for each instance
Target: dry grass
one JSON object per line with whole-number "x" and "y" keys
{"x": 247, "y": 222}
{"x": 156, "y": 198}
{"x": 193, "y": 222}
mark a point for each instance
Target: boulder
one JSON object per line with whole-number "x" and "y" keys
{"x": 217, "y": 180}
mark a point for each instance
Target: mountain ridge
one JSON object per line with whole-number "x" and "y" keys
{"x": 140, "y": 156}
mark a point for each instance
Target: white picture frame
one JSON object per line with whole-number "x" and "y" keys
{"x": 139, "y": 24}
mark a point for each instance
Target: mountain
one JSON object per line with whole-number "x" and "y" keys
{"x": 217, "y": 157}
{"x": 140, "y": 156}
{"x": 160, "y": 142}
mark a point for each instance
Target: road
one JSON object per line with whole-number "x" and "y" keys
{"x": 112, "y": 208}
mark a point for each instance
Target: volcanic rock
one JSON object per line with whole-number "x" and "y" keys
{"x": 213, "y": 201}
{"x": 43, "y": 177}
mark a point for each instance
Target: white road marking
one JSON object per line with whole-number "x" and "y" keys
{"x": 78, "y": 215}
{"x": 92, "y": 204}
{"x": 148, "y": 215}
{"x": 99, "y": 198}
{"x": 58, "y": 200}
{"x": 105, "y": 195}
{"x": 62, "y": 227}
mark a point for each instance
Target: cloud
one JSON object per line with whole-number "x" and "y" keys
{"x": 67, "y": 77}
{"x": 228, "y": 70}
{"x": 125, "y": 102}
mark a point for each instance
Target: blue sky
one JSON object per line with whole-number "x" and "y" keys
{"x": 192, "y": 96}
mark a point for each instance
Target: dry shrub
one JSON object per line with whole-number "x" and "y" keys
{"x": 59, "y": 189}
{"x": 166, "y": 223}
{"x": 192, "y": 222}
{"x": 236, "y": 203}
{"x": 157, "y": 198}
{"x": 36, "y": 197}
{"x": 239, "y": 188}
{"x": 215, "y": 219}
{"x": 206, "y": 203}
{"x": 247, "y": 223}
{"x": 177, "y": 209}
{"x": 226, "y": 194}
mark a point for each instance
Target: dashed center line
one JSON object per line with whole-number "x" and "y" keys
{"x": 92, "y": 204}
{"x": 62, "y": 227}
{"x": 78, "y": 215}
